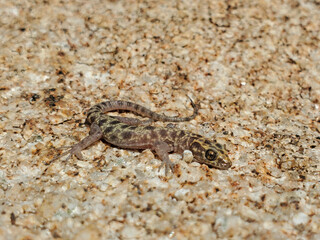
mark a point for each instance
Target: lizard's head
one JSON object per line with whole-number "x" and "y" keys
{"x": 211, "y": 153}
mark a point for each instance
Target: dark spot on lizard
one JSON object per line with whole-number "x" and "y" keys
{"x": 181, "y": 134}
{"x": 192, "y": 139}
{"x": 102, "y": 122}
{"x": 107, "y": 104}
{"x": 154, "y": 115}
{"x": 98, "y": 107}
{"x": 113, "y": 138}
{"x": 207, "y": 142}
{"x": 197, "y": 136}
{"x": 196, "y": 147}
{"x": 163, "y": 133}
{"x": 126, "y": 135}
{"x": 132, "y": 127}
{"x": 170, "y": 143}
{"x": 129, "y": 104}
{"x": 218, "y": 145}
{"x": 89, "y": 119}
{"x": 220, "y": 150}
{"x": 173, "y": 134}
{"x": 124, "y": 126}
{"x": 149, "y": 128}
{"x": 114, "y": 122}
{"x": 144, "y": 138}
{"x": 109, "y": 129}
{"x": 153, "y": 134}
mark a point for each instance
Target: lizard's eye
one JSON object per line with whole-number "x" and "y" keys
{"x": 211, "y": 155}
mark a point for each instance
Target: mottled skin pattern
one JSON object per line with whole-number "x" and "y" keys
{"x": 132, "y": 133}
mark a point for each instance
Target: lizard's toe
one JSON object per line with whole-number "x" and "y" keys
{"x": 168, "y": 166}
{"x": 79, "y": 155}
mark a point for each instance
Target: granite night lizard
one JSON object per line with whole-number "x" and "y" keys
{"x": 131, "y": 133}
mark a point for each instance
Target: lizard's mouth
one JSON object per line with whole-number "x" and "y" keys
{"x": 223, "y": 164}
{"x": 219, "y": 163}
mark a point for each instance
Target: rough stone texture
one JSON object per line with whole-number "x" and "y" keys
{"x": 253, "y": 65}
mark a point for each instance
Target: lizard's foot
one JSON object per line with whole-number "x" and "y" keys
{"x": 168, "y": 166}
{"x": 94, "y": 135}
{"x": 74, "y": 150}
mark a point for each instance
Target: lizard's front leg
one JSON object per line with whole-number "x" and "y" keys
{"x": 162, "y": 149}
{"x": 95, "y": 134}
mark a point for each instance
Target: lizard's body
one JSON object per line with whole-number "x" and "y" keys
{"x": 132, "y": 133}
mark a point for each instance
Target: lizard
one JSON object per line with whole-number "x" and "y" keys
{"x": 132, "y": 133}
